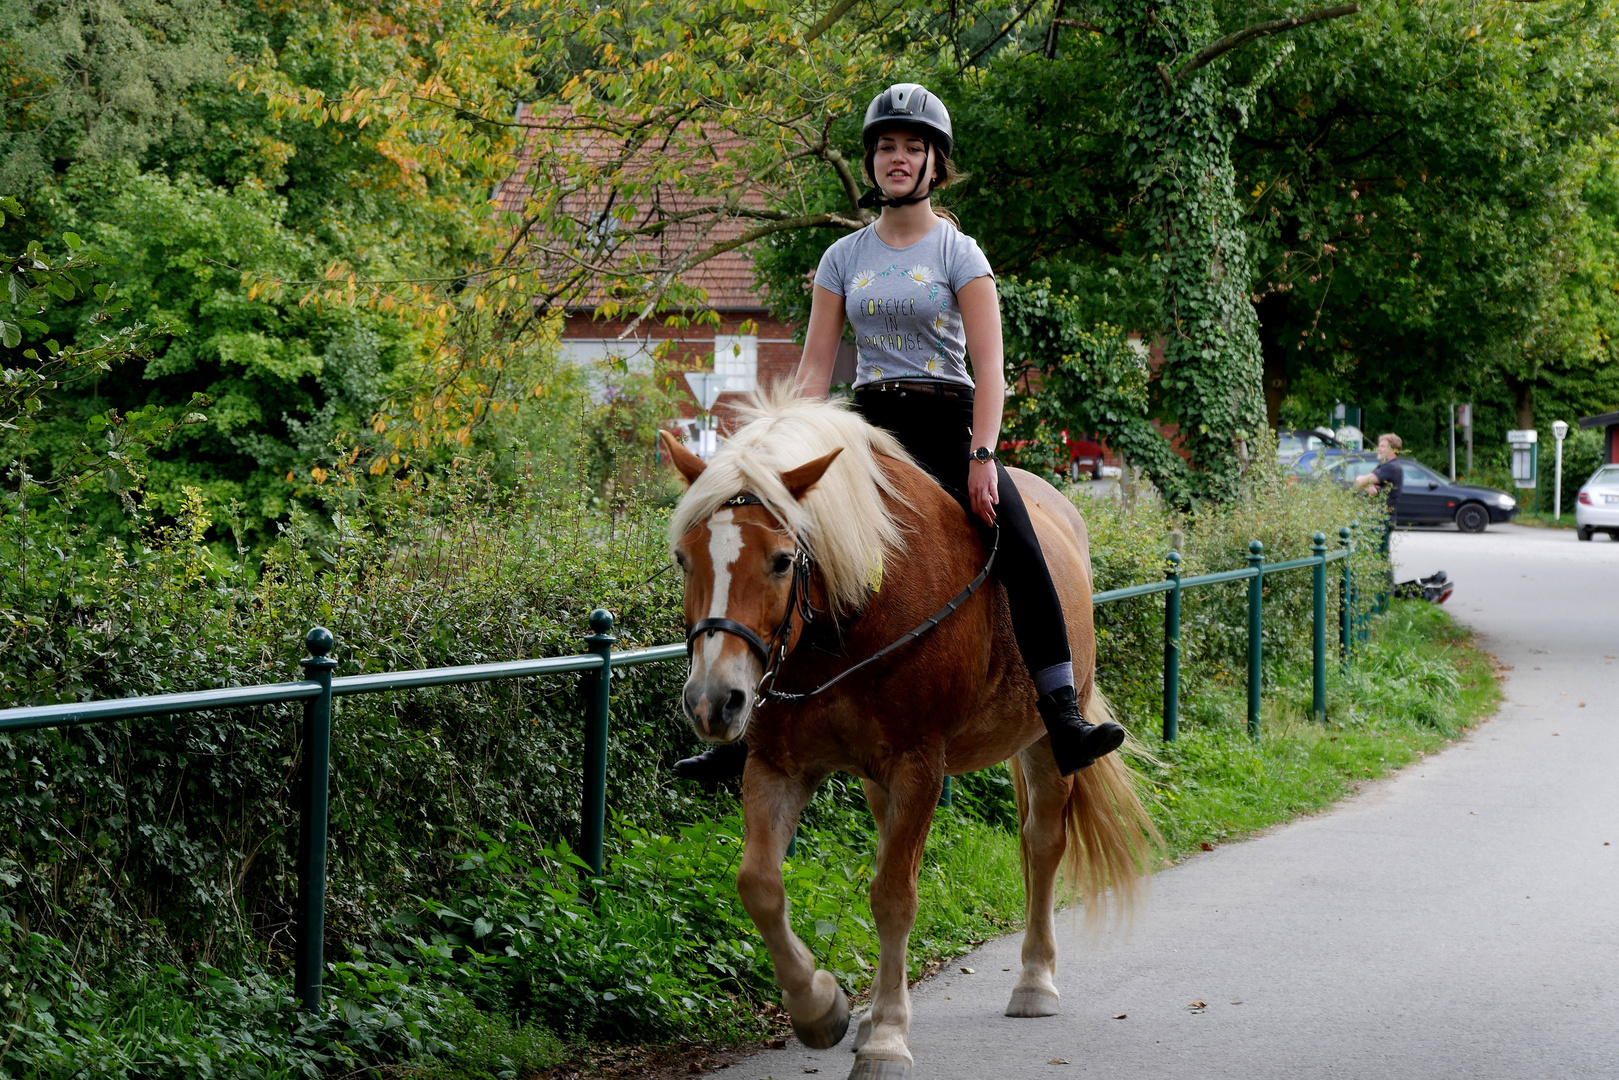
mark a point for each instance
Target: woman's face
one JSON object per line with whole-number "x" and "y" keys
{"x": 900, "y": 159}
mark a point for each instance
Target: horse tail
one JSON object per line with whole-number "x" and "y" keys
{"x": 1111, "y": 839}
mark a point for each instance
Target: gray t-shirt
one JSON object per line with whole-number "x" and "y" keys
{"x": 902, "y": 301}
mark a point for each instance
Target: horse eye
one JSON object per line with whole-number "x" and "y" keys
{"x": 783, "y": 563}
{"x": 680, "y": 557}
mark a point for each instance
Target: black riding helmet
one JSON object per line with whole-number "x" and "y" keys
{"x": 911, "y": 107}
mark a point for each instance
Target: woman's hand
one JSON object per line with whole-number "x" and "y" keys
{"x": 983, "y": 490}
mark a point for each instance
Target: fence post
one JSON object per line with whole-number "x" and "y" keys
{"x": 309, "y": 962}
{"x": 1172, "y": 649}
{"x": 1360, "y": 617}
{"x": 1256, "y": 618}
{"x": 1345, "y": 597}
{"x": 597, "y": 687}
{"x": 946, "y": 795}
{"x": 1318, "y": 548}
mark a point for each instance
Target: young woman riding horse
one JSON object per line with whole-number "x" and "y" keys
{"x": 921, "y": 297}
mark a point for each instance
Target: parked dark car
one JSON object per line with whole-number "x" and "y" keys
{"x": 1429, "y": 498}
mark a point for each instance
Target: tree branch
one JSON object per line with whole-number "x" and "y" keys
{"x": 1080, "y": 24}
{"x": 829, "y": 20}
{"x": 806, "y": 221}
{"x": 1231, "y": 41}
{"x": 996, "y": 40}
{"x": 1051, "y": 31}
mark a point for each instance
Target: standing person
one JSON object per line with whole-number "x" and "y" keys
{"x": 1389, "y": 476}
{"x": 921, "y": 297}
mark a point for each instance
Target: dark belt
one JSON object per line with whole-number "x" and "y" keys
{"x": 924, "y": 387}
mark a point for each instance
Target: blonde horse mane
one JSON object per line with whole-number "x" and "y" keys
{"x": 843, "y": 521}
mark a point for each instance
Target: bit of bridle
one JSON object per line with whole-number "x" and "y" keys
{"x": 775, "y": 653}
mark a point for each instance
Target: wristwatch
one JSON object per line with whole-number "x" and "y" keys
{"x": 983, "y": 455}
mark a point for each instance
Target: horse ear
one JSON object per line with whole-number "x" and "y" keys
{"x": 686, "y": 463}
{"x": 801, "y": 479}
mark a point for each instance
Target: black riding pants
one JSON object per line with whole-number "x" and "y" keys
{"x": 937, "y": 431}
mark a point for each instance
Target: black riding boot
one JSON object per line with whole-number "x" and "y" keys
{"x": 1075, "y": 743}
{"x": 714, "y": 765}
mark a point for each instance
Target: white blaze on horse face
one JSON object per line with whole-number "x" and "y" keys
{"x": 724, "y": 548}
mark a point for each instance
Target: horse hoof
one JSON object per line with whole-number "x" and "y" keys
{"x": 862, "y": 1032}
{"x": 829, "y": 1030}
{"x": 880, "y": 1069}
{"x": 1027, "y": 1003}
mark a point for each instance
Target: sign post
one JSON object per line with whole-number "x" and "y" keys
{"x": 1525, "y": 457}
{"x": 1464, "y": 417}
{"x": 1559, "y": 432}
{"x": 706, "y": 387}
{"x": 1453, "y": 442}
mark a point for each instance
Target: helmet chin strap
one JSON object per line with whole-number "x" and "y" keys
{"x": 876, "y": 198}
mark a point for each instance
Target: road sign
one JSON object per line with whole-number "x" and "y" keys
{"x": 706, "y": 387}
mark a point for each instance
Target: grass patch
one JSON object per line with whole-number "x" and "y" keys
{"x": 1418, "y": 683}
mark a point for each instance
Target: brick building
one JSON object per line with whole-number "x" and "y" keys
{"x": 749, "y": 345}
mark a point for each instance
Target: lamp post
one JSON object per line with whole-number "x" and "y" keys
{"x": 1559, "y": 431}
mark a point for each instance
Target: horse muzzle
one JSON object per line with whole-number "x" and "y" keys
{"x": 718, "y": 707}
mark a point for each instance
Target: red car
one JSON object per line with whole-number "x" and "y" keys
{"x": 1085, "y": 455}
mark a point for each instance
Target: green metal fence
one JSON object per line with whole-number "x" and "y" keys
{"x": 1254, "y": 574}
{"x": 595, "y": 668}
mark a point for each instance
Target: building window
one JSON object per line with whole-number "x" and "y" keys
{"x": 737, "y": 357}
{"x": 606, "y": 361}
{"x": 632, "y": 355}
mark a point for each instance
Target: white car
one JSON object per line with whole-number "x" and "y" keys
{"x": 1597, "y": 507}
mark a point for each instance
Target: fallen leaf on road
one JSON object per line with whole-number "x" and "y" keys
{"x": 968, "y": 971}
{"x": 1206, "y": 846}
{"x": 1582, "y": 704}
{"x": 777, "y": 1044}
{"x": 1198, "y": 1005}
{"x": 1236, "y": 1003}
{"x": 1121, "y": 1016}
{"x": 1059, "y": 1061}
{"x": 812, "y": 1070}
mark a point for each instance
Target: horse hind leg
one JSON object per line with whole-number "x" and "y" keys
{"x": 1042, "y": 796}
{"x": 771, "y": 803}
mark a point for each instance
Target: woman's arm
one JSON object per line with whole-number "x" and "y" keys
{"x": 981, "y": 320}
{"x": 820, "y": 343}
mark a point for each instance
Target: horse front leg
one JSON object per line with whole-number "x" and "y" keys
{"x": 907, "y": 813}
{"x": 771, "y": 803}
{"x": 1042, "y": 834}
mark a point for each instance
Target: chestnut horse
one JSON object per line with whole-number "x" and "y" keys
{"x": 814, "y": 535}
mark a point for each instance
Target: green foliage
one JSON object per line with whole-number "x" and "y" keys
{"x": 1079, "y": 378}
{"x": 1129, "y": 542}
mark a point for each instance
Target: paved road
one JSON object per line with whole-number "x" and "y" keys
{"x": 1459, "y": 920}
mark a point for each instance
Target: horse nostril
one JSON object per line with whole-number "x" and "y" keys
{"x": 735, "y": 701}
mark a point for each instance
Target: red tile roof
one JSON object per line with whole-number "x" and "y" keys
{"x": 727, "y": 279}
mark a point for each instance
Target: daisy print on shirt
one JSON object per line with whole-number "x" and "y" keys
{"x": 901, "y": 303}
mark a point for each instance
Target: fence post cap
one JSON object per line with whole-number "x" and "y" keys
{"x": 1255, "y": 548}
{"x": 1174, "y": 559}
{"x": 601, "y": 621}
{"x": 319, "y": 641}
{"x": 1343, "y": 533}
{"x": 1319, "y": 539}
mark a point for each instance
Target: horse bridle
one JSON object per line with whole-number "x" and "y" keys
{"x": 774, "y": 654}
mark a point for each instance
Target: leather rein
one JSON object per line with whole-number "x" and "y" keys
{"x": 773, "y": 655}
